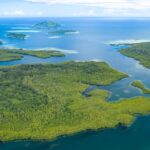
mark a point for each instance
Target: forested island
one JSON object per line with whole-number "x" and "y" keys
{"x": 47, "y": 25}
{"x": 16, "y": 54}
{"x": 1, "y": 42}
{"x": 140, "y": 52}
{"x": 54, "y": 28}
{"x": 141, "y": 86}
{"x": 20, "y": 36}
{"x": 62, "y": 32}
{"x": 46, "y": 101}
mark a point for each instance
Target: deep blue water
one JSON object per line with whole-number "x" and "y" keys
{"x": 134, "y": 138}
{"x": 90, "y": 44}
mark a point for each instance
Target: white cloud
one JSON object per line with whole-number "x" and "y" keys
{"x": 107, "y": 7}
{"x": 141, "y": 4}
{"x": 85, "y": 13}
{"x": 39, "y": 13}
{"x": 14, "y": 13}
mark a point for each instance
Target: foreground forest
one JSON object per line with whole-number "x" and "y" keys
{"x": 47, "y": 101}
{"x": 140, "y": 51}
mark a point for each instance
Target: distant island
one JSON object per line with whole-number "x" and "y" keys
{"x": 1, "y": 42}
{"x": 54, "y": 28}
{"x": 20, "y": 36}
{"x": 47, "y": 25}
{"x": 62, "y": 32}
{"x": 141, "y": 86}
{"x": 16, "y": 54}
{"x": 140, "y": 52}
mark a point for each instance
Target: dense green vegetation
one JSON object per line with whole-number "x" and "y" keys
{"x": 47, "y": 25}
{"x": 46, "y": 101}
{"x": 141, "y": 86}
{"x": 62, "y": 32}
{"x": 140, "y": 52}
{"x": 15, "y": 54}
{"x": 20, "y": 36}
{"x": 4, "y": 56}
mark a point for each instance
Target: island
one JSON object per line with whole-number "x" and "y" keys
{"x": 140, "y": 52}
{"x": 20, "y": 36}
{"x": 45, "y": 101}
{"x": 47, "y": 25}
{"x": 141, "y": 86}
{"x": 62, "y": 32}
{"x": 17, "y": 54}
{"x": 1, "y": 42}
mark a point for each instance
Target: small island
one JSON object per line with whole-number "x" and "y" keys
{"x": 54, "y": 28}
{"x": 1, "y": 42}
{"x": 141, "y": 86}
{"x": 20, "y": 36}
{"x": 16, "y": 54}
{"x": 47, "y": 25}
{"x": 63, "y": 32}
{"x": 45, "y": 101}
{"x": 140, "y": 52}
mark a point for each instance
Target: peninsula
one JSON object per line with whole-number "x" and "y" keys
{"x": 141, "y": 86}
{"x": 16, "y": 54}
{"x": 140, "y": 52}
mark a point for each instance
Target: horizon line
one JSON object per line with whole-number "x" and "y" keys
{"x": 71, "y": 17}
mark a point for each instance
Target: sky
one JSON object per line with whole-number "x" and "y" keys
{"x": 75, "y": 8}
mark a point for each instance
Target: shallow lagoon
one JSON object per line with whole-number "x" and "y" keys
{"x": 90, "y": 44}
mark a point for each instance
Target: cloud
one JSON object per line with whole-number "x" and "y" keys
{"x": 142, "y": 4}
{"x": 39, "y": 13}
{"x": 107, "y": 7}
{"x": 89, "y": 13}
{"x": 14, "y": 13}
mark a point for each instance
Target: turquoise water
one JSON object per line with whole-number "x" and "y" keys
{"x": 90, "y": 44}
